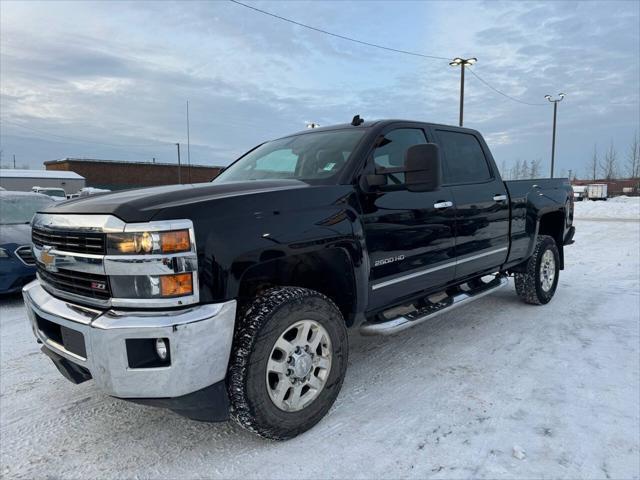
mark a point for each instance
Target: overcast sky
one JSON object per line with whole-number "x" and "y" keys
{"x": 111, "y": 79}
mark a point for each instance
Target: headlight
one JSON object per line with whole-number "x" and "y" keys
{"x": 148, "y": 242}
{"x": 4, "y": 253}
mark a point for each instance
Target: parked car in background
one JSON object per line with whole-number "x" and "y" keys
{"x": 17, "y": 265}
{"x": 597, "y": 191}
{"x": 579, "y": 192}
{"x": 86, "y": 191}
{"x": 58, "y": 194}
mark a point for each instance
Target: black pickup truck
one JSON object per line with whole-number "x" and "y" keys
{"x": 234, "y": 297}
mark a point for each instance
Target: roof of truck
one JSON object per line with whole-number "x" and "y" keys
{"x": 371, "y": 123}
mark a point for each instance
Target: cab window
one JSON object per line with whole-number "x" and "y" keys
{"x": 392, "y": 147}
{"x": 462, "y": 157}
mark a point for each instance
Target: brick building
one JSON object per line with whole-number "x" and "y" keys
{"x": 615, "y": 187}
{"x": 118, "y": 175}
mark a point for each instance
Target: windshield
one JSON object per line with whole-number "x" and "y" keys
{"x": 310, "y": 156}
{"x": 53, "y": 192}
{"x": 20, "y": 209}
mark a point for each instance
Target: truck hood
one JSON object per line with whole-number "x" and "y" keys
{"x": 141, "y": 205}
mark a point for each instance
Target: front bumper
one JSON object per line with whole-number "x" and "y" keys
{"x": 199, "y": 337}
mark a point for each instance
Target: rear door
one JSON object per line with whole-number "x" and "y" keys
{"x": 409, "y": 235}
{"x": 480, "y": 198}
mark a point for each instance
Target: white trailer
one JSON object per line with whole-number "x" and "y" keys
{"x": 24, "y": 180}
{"x": 579, "y": 192}
{"x": 597, "y": 191}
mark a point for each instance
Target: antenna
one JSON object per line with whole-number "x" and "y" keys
{"x": 357, "y": 121}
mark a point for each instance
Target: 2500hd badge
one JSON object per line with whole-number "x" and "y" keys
{"x": 385, "y": 261}
{"x": 233, "y": 298}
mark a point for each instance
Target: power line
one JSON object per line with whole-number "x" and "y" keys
{"x": 78, "y": 140}
{"x": 502, "y": 93}
{"x": 343, "y": 37}
{"x": 390, "y": 49}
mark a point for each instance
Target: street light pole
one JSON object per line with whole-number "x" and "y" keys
{"x": 462, "y": 62}
{"x": 188, "y": 144}
{"x": 555, "y": 102}
{"x": 179, "y": 171}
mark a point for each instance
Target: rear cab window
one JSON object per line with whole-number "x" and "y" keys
{"x": 463, "y": 159}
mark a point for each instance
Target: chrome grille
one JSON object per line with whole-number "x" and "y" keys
{"x": 69, "y": 241}
{"x": 77, "y": 283}
{"x": 72, "y": 261}
{"x": 25, "y": 255}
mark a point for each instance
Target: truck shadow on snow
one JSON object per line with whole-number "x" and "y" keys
{"x": 11, "y": 300}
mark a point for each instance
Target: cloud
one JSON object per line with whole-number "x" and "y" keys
{"x": 77, "y": 75}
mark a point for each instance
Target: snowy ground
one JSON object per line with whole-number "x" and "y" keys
{"x": 619, "y": 208}
{"x": 450, "y": 399}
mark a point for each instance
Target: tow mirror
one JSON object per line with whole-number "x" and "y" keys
{"x": 422, "y": 168}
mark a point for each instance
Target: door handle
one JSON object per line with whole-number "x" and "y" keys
{"x": 499, "y": 198}
{"x": 441, "y": 205}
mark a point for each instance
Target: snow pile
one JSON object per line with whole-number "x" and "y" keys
{"x": 622, "y": 207}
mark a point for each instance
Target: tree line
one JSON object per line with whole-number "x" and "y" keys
{"x": 610, "y": 166}
{"x": 606, "y": 165}
{"x": 521, "y": 170}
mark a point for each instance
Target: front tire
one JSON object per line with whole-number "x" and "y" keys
{"x": 288, "y": 362}
{"x": 537, "y": 284}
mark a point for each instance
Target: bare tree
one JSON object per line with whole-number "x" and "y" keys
{"x": 592, "y": 167}
{"x": 609, "y": 166}
{"x": 633, "y": 157}
{"x": 515, "y": 170}
{"x": 534, "y": 168}
{"x": 503, "y": 169}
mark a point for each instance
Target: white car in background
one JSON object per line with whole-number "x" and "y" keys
{"x": 58, "y": 194}
{"x": 579, "y": 192}
{"x": 86, "y": 191}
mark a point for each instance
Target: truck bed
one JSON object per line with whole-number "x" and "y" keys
{"x": 532, "y": 197}
{"x": 519, "y": 188}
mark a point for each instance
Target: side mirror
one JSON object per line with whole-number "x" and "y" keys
{"x": 422, "y": 168}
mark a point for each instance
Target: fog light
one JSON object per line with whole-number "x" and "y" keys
{"x": 176, "y": 285}
{"x": 161, "y": 348}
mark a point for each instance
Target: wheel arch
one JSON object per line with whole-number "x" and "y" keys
{"x": 330, "y": 271}
{"x": 553, "y": 225}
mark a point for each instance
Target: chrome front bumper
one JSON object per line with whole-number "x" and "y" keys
{"x": 199, "y": 336}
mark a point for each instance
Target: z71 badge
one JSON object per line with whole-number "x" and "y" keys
{"x": 386, "y": 261}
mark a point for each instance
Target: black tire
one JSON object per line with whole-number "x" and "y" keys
{"x": 264, "y": 320}
{"x": 529, "y": 286}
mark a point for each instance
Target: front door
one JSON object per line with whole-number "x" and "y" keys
{"x": 409, "y": 235}
{"x": 481, "y": 202}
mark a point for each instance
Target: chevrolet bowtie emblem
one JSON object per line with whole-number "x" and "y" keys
{"x": 48, "y": 260}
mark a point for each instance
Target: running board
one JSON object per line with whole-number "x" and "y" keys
{"x": 431, "y": 310}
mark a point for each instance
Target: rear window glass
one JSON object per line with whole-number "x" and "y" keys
{"x": 463, "y": 158}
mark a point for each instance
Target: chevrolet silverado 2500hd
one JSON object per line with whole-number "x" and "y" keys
{"x": 234, "y": 297}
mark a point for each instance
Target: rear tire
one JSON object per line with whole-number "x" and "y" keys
{"x": 277, "y": 387}
{"x": 538, "y": 283}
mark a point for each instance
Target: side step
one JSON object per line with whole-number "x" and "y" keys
{"x": 432, "y": 309}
